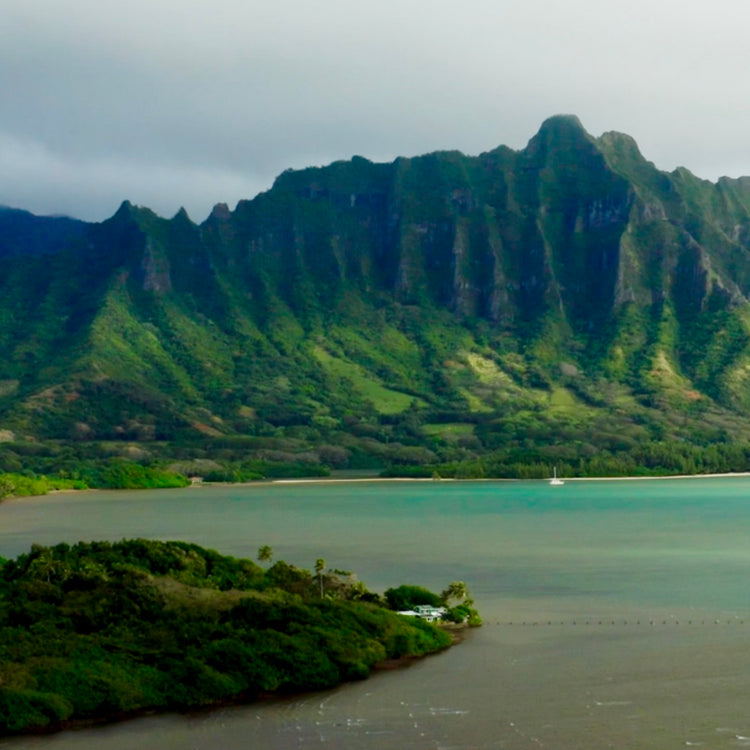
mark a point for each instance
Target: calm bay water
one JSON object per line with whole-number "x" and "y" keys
{"x": 617, "y": 613}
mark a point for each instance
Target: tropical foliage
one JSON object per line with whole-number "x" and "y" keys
{"x": 454, "y": 599}
{"x": 104, "y": 475}
{"x": 101, "y": 631}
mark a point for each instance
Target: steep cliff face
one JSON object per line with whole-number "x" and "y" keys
{"x": 440, "y": 282}
{"x": 504, "y": 236}
{"x": 572, "y": 234}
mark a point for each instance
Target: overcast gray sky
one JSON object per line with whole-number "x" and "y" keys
{"x": 173, "y": 103}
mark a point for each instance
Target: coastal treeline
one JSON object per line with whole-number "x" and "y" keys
{"x": 34, "y": 469}
{"x": 650, "y": 459}
{"x": 100, "y": 631}
{"x": 38, "y": 468}
{"x": 115, "y": 475}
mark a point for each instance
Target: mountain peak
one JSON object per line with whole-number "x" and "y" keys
{"x": 182, "y": 215}
{"x": 129, "y": 213}
{"x": 621, "y": 143}
{"x": 221, "y": 212}
{"x": 562, "y": 123}
{"x": 559, "y": 135}
{"x": 125, "y": 210}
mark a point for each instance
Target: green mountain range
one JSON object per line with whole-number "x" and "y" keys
{"x": 565, "y": 304}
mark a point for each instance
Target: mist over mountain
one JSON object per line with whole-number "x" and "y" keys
{"x": 567, "y": 303}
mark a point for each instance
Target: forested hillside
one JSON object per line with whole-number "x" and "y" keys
{"x": 564, "y": 304}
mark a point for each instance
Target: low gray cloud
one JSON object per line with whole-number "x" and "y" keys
{"x": 188, "y": 103}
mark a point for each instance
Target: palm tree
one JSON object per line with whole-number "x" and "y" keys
{"x": 265, "y": 553}
{"x": 320, "y": 565}
{"x": 456, "y": 590}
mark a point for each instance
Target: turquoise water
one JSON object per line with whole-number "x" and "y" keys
{"x": 617, "y": 613}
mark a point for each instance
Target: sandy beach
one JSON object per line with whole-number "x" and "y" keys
{"x": 339, "y": 480}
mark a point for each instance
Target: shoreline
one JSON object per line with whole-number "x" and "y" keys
{"x": 352, "y": 480}
{"x": 727, "y": 475}
{"x": 361, "y": 480}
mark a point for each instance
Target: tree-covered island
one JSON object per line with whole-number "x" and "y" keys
{"x": 101, "y": 631}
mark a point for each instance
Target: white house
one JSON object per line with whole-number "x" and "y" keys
{"x": 426, "y": 612}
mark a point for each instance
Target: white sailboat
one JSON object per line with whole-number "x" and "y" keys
{"x": 555, "y": 482}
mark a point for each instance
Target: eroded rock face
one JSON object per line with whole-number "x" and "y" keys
{"x": 155, "y": 267}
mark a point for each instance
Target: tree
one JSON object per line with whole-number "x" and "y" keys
{"x": 6, "y": 486}
{"x": 320, "y": 565}
{"x": 408, "y": 596}
{"x": 265, "y": 553}
{"x": 456, "y": 591}
{"x": 460, "y": 605}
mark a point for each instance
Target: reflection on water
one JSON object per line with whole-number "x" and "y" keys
{"x": 617, "y": 614}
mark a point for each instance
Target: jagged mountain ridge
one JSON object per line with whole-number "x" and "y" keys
{"x": 25, "y": 234}
{"x": 460, "y": 288}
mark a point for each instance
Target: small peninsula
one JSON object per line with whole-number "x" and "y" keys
{"x": 102, "y": 631}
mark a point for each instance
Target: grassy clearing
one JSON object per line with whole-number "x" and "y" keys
{"x": 476, "y": 405}
{"x": 561, "y": 399}
{"x": 488, "y": 373}
{"x": 449, "y": 432}
{"x": 385, "y": 400}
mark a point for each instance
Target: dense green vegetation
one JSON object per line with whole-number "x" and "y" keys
{"x": 407, "y": 596}
{"x": 567, "y": 304}
{"x": 100, "y": 631}
{"x": 455, "y": 600}
{"x": 571, "y": 460}
{"x": 103, "y": 475}
{"x": 20, "y": 485}
{"x": 38, "y": 469}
